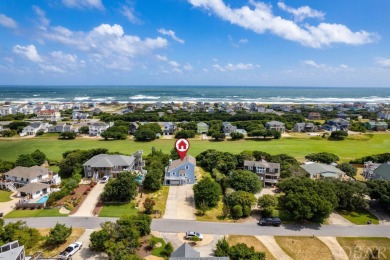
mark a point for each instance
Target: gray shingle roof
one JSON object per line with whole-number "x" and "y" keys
{"x": 275, "y": 123}
{"x": 318, "y": 168}
{"x": 29, "y": 173}
{"x": 262, "y": 164}
{"x": 33, "y": 188}
{"x": 110, "y": 160}
{"x": 382, "y": 172}
{"x": 178, "y": 162}
{"x": 185, "y": 250}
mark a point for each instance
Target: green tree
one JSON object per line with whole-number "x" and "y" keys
{"x": 84, "y": 129}
{"x": 25, "y": 160}
{"x": 39, "y": 157}
{"x": 236, "y": 136}
{"x": 222, "y": 248}
{"x": 7, "y": 133}
{"x": 242, "y": 198}
{"x": 115, "y": 132}
{"x": 152, "y": 181}
{"x": 123, "y": 188}
{"x": 339, "y": 135}
{"x": 207, "y": 191}
{"x": 348, "y": 168}
{"x": 241, "y": 251}
{"x": 148, "y": 205}
{"x": 145, "y": 135}
{"x": 245, "y": 180}
{"x": 26, "y": 236}
{"x": 217, "y": 136}
{"x": 99, "y": 238}
{"x": 5, "y": 166}
{"x": 58, "y": 234}
{"x": 350, "y": 194}
{"x": 67, "y": 135}
{"x": 322, "y": 157}
{"x": 185, "y": 134}
{"x": 267, "y": 201}
{"x": 236, "y": 212}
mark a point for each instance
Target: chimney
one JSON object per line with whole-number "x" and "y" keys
{"x": 170, "y": 162}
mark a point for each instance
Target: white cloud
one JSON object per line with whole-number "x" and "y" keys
{"x": 383, "y": 62}
{"x": 174, "y": 63}
{"x": 29, "y": 52}
{"x": 43, "y": 21}
{"x": 171, "y": 34}
{"x": 7, "y": 22}
{"x": 234, "y": 67}
{"x": 259, "y": 18}
{"x": 107, "y": 45}
{"x": 302, "y": 12}
{"x": 84, "y": 4}
{"x": 187, "y": 67}
{"x": 327, "y": 68}
{"x": 129, "y": 13}
{"x": 161, "y": 58}
{"x": 243, "y": 41}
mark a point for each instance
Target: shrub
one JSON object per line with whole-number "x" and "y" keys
{"x": 246, "y": 211}
{"x": 148, "y": 205}
{"x": 236, "y": 212}
{"x": 59, "y": 234}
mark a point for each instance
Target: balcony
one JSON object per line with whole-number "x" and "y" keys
{"x": 271, "y": 180}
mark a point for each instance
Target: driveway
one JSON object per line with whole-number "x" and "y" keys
{"x": 273, "y": 247}
{"x": 84, "y": 252}
{"x": 338, "y": 252}
{"x": 180, "y": 203}
{"x": 7, "y": 207}
{"x": 86, "y": 209}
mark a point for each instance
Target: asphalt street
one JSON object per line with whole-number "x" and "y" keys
{"x": 176, "y": 226}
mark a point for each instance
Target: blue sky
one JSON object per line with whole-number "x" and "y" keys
{"x": 195, "y": 42}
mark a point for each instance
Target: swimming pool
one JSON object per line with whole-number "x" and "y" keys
{"x": 43, "y": 199}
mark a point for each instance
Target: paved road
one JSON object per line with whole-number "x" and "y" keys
{"x": 176, "y": 226}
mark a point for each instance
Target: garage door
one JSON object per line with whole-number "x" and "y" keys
{"x": 175, "y": 182}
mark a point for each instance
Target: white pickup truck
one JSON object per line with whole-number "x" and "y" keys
{"x": 70, "y": 250}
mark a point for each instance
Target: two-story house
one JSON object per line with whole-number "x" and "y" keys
{"x": 268, "y": 172}
{"x": 180, "y": 172}
{"x": 377, "y": 126}
{"x": 202, "y": 128}
{"x": 376, "y": 171}
{"x": 276, "y": 125}
{"x": 95, "y": 129}
{"x": 169, "y": 128}
{"x": 338, "y": 123}
{"x": 304, "y": 127}
{"x": 51, "y": 115}
{"x": 314, "y": 116}
{"x": 34, "y": 127}
{"x": 228, "y": 128}
{"x": 133, "y": 127}
{"x": 112, "y": 164}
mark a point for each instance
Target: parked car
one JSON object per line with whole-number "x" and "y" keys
{"x": 193, "y": 234}
{"x": 270, "y": 222}
{"x": 105, "y": 179}
{"x": 70, "y": 250}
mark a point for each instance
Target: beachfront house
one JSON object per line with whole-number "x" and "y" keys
{"x": 202, "y": 128}
{"x": 321, "y": 171}
{"x": 111, "y": 164}
{"x": 95, "y": 129}
{"x": 180, "y": 172}
{"x": 276, "y": 126}
{"x": 34, "y": 127}
{"x": 268, "y": 173}
{"x": 314, "y": 116}
{"x": 78, "y": 115}
{"x": 303, "y": 127}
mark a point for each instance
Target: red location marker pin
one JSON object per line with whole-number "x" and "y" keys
{"x": 182, "y": 145}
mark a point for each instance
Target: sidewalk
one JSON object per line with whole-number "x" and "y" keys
{"x": 86, "y": 209}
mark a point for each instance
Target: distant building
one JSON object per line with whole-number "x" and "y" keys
{"x": 202, "y": 128}
{"x": 384, "y": 115}
{"x": 303, "y": 127}
{"x": 169, "y": 128}
{"x": 377, "y": 126}
{"x": 180, "y": 172}
{"x": 321, "y": 171}
{"x": 269, "y": 173}
{"x": 50, "y": 115}
{"x": 95, "y": 129}
{"x": 228, "y": 128}
{"x": 34, "y": 127}
{"x": 276, "y": 125}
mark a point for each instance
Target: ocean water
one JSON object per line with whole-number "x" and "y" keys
{"x": 148, "y": 94}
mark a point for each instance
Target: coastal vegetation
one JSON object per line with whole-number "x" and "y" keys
{"x": 298, "y": 146}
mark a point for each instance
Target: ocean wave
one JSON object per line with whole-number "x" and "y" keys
{"x": 81, "y": 98}
{"x": 143, "y": 97}
{"x": 36, "y": 95}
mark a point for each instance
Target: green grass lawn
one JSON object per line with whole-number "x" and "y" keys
{"x": 35, "y": 213}
{"x": 297, "y": 146}
{"x": 359, "y": 217}
{"x": 5, "y": 196}
{"x": 158, "y": 250}
{"x": 118, "y": 210}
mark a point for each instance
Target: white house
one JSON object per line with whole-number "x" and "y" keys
{"x": 49, "y": 114}
{"x": 34, "y": 127}
{"x": 24, "y": 175}
{"x": 34, "y": 190}
{"x": 5, "y": 110}
{"x": 95, "y": 129}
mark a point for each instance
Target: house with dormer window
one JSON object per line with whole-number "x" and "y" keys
{"x": 180, "y": 172}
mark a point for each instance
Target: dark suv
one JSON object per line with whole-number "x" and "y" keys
{"x": 270, "y": 222}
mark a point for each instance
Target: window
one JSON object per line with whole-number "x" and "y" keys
{"x": 260, "y": 169}
{"x": 187, "y": 167}
{"x": 250, "y": 168}
{"x": 271, "y": 170}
